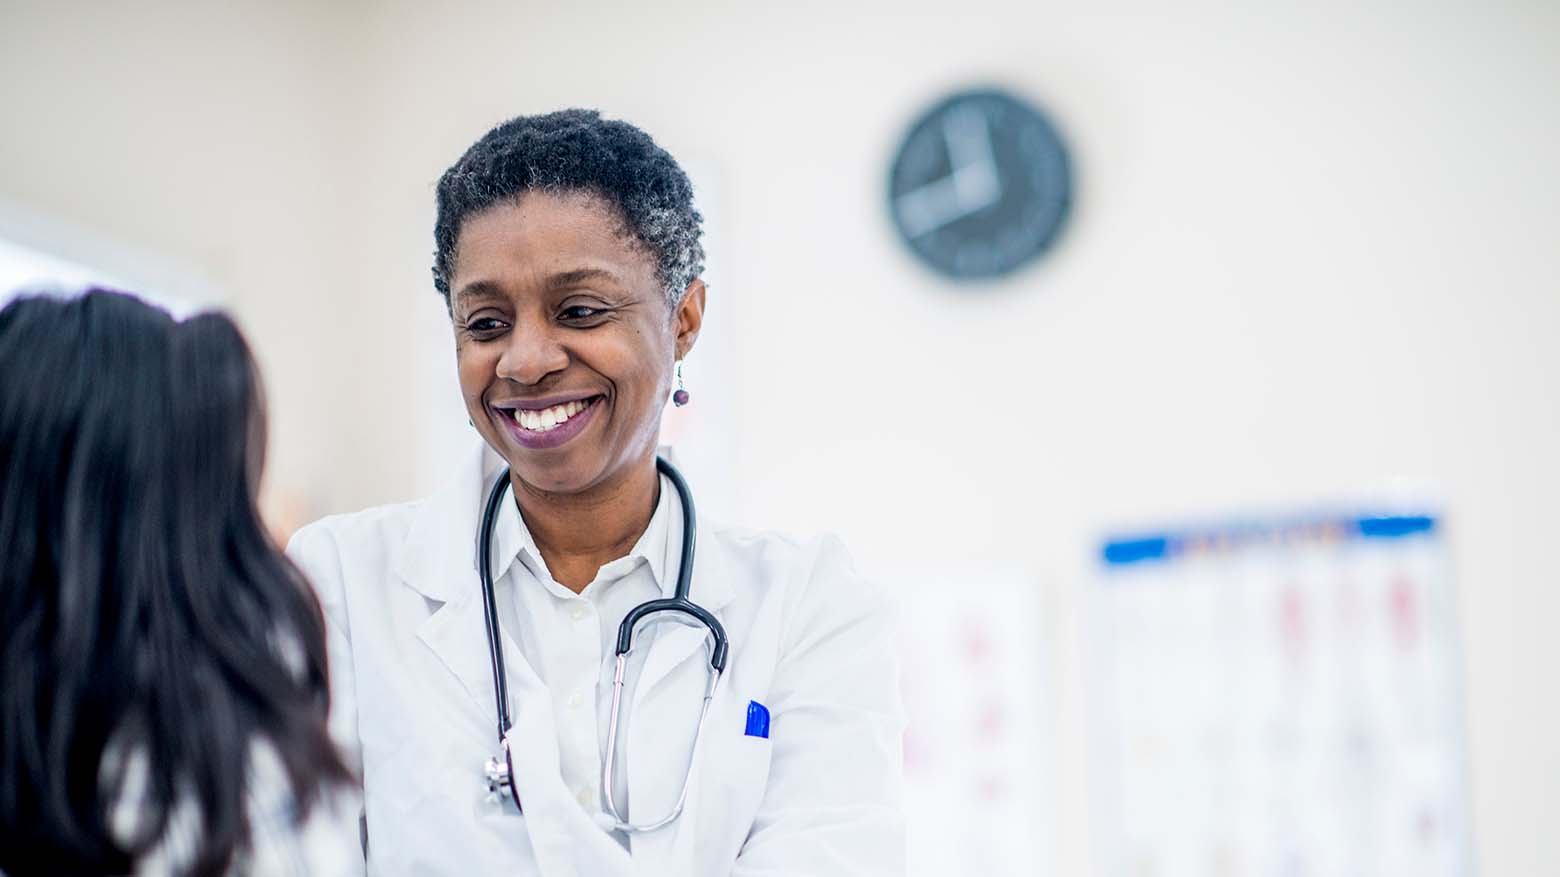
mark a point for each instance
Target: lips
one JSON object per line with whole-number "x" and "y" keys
{"x": 550, "y": 418}
{"x": 547, "y": 423}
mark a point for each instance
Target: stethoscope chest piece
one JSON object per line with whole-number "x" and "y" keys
{"x": 500, "y": 772}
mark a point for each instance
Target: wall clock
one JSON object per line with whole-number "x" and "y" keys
{"x": 981, "y": 185}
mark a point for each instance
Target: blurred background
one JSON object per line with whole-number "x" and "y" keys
{"x": 1217, "y": 505}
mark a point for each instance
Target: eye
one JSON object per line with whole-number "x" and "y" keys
{"x": 484, "y": 326}
{"x": 578, "y": 313}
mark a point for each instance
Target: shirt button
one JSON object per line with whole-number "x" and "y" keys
{"x": 584, "y": 795}
{"x": 579, "y": 612}
{"x": 576, "y": 700}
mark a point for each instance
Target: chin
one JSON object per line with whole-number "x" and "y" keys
{"x": 570, "y": 472}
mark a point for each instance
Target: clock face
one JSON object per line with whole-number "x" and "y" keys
{"x": 981, "y": 185}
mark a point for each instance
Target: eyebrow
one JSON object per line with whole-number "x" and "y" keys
{"x": 489, "y": 289}
{"x": 478, "y": 289}
{"x": 580, "y": 275}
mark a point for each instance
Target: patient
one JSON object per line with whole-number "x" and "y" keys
{"x": 162, "y": 666}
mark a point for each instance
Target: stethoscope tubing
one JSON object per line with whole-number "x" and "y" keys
{"x": 490, "y": 602}
{"x": 679, "y": 602}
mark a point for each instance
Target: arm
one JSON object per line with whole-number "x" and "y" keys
{"x": 833, "y": 801}
{"x": 313, "y": 549}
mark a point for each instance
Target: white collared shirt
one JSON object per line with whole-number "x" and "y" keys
{"x": 570, "y": 639}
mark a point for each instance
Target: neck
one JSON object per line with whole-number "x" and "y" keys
{"x": 577, "y": 534}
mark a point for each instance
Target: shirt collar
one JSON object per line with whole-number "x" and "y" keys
{"x": 512, "y": 541}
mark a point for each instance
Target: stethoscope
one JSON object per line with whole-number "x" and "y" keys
{"x": 500, "y": 771}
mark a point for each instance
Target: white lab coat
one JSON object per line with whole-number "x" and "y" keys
{"x": 413, "y": 700}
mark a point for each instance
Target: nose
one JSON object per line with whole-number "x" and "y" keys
{"x": 534, "y": 352}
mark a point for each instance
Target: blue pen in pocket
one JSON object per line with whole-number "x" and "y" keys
{"x": 758, "y": 720}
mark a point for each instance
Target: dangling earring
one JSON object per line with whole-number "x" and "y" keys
{"x": 680, "y": 398}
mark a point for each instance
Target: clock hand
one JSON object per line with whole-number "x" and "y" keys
{"x": 967, "y": 132}
{"x": 971, "y": 186}
{"x": 961, "y": 132}
{"x": 930, "y": 207}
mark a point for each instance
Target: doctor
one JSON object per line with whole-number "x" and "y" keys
{"x": 568, "y": 253}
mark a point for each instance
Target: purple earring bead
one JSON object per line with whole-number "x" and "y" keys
{"x": 680, "y": 398}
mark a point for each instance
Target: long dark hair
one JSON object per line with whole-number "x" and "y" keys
{"x": 144, "y": 612}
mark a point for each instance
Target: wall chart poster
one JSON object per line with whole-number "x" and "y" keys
{"x": 977, "y": 784}
{"x": 1279, "y": 698}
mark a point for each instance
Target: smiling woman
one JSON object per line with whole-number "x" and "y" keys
{"x": 568, "y": 252}
{"x": 554, "y": 302}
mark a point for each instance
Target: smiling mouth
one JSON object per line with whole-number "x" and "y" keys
{"x": 540, "y": 420}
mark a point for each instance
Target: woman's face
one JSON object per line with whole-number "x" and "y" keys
{"x": 564, "y": 340}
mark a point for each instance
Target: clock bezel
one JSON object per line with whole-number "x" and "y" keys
{"x": 1048, "y": 155}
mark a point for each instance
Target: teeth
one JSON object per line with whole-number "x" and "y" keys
{"x": 547, "y": 418}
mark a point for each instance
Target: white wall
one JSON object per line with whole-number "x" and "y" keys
{"x": 199, "y": 146}
{"x": 1313, "y": 258}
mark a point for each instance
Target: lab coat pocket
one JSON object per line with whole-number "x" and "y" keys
{"x": 740, "y": 754}
{"x": 733, "y": 775}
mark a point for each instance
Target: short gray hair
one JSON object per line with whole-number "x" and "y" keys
{"x": 577, "y": 151}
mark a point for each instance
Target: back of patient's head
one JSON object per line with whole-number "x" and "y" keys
{"x": 145, "y": 618}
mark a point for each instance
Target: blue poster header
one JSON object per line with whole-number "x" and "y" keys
{"x": 1166, "y": 546}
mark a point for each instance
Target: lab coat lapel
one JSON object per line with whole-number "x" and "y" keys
{"x": 454, "y": 632}
{"x": 438, "y": 560}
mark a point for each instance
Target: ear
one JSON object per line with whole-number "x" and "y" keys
{"x": 689, "y": 317}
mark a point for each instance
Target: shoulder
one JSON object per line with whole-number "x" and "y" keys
{"x": 319, "y": 547}
{"x": 344, "y": 532}
{"x": 795, "y": 560}
{"x": 283, "y": 840}
{"x": 279, "y": 841}
{"x": 339, "y": 548}
{"x": 814, "y": 579}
